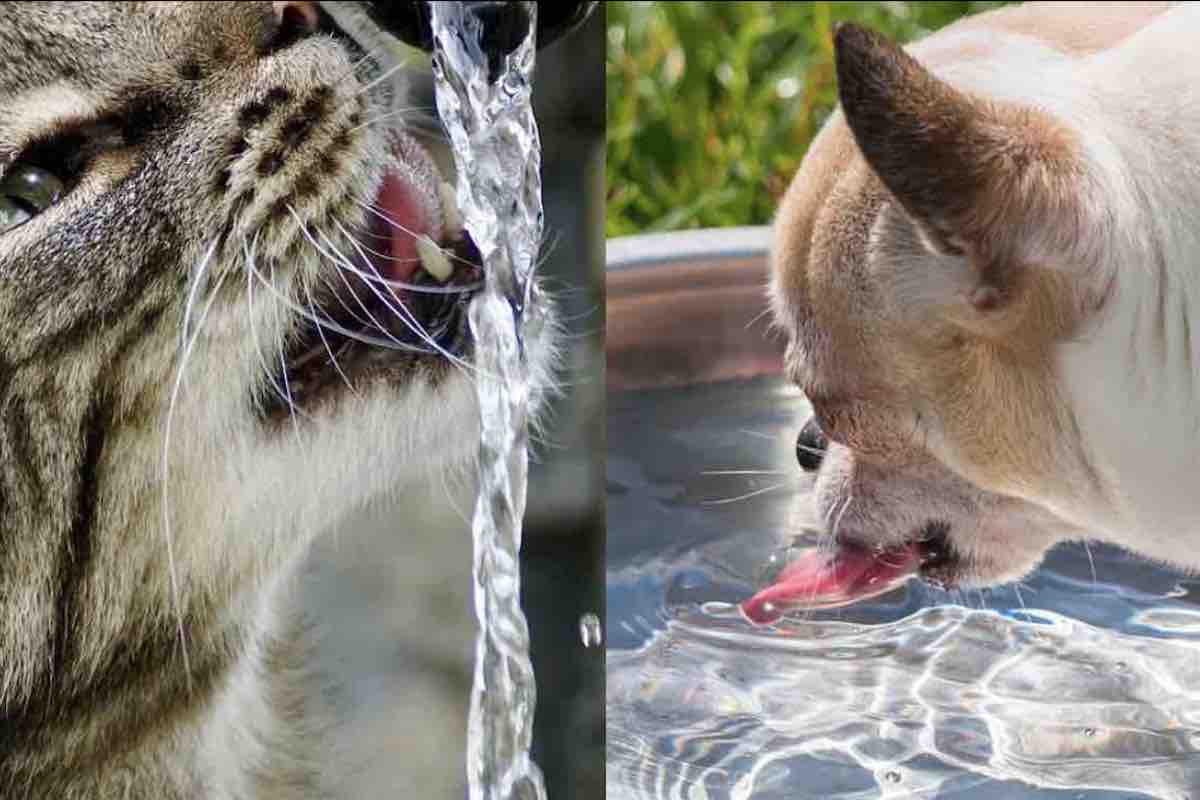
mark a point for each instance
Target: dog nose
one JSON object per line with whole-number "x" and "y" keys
{"x": 810, "y": 446}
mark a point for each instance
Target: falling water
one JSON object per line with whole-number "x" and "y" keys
{"x": 487, "y": 111}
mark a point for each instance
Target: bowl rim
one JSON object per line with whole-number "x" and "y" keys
{"x": 701, "y": 244}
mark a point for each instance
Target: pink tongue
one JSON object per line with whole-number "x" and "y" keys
{"x": 819, "y": 580}
{"x": 397, "y": 202}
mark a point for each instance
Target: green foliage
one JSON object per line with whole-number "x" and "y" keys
{"x": 711, "y": 105}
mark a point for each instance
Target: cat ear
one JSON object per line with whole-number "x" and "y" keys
{"x": 996, "y": 183}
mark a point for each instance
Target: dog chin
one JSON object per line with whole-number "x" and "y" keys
{"x": 879, "y": 531}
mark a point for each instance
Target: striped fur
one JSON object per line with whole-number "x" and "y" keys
{"x": 132, "y": 666}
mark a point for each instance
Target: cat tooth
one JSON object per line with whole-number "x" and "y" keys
{"x": 434, "y": 259}
{"x": 453, "y": 220}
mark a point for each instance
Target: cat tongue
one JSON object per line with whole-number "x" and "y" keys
{"x": 408, "y": 219}
{"x": 818, "y": 579}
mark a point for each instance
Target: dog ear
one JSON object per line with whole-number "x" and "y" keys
{"x": 996, "y": 183}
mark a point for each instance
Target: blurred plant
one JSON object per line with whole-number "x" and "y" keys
{"x": 711, "y": 105}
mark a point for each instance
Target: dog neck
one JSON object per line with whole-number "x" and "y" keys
{"x": 1143, "y": 346}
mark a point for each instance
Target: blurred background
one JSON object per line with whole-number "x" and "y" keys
{"x": 391, "y": 592}
{"x": 711, "y": 106}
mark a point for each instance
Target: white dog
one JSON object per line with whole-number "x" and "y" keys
{"x": 988, "y": 266}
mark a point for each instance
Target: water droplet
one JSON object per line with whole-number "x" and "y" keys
{"x": 1089, "y": 732}
{"x": 1120, "y": 666}
{"x": 891, "y": 776}
{"x": 589, "y": 630}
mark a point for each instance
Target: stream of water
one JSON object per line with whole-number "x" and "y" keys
{"x": 486, "y": 109}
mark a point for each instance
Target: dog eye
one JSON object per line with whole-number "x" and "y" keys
{"x": 25, "y": 192}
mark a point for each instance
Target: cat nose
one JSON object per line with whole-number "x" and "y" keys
{"x": 810, "y": 446}
{"x": 293, "y": 21}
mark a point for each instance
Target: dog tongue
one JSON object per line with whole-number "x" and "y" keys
{"x": 818, "y": 579}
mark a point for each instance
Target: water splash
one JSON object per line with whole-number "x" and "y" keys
{"x": 485, "y": 106}
{"x": 590, "y": 631}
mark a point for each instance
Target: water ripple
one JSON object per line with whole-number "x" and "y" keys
{"x": 706, "y": 711}
{"x": 1079, "y": 688}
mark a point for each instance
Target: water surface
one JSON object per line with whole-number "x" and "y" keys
{"x": 1081, "y": 682}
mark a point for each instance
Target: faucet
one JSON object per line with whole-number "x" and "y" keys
{"x": 504, "y": 23}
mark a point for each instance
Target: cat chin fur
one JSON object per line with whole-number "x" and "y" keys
{"x": 265, "y": 735}
{"x": 263, "y": 732}
{"x": 244, "y": 499}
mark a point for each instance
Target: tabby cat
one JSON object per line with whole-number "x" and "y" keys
{"x": 232, "y": 299}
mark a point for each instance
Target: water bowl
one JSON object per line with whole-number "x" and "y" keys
{"x": 1083, "y": 681}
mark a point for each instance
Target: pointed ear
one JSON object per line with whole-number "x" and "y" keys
{"x": 997, "y": 183}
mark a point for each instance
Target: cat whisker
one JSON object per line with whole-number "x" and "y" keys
{"x": 188, "y": 342}
{"x": 401, "y": 312}
{"x": 340, "y": 262}
{"x": 334, "y": 260}
{"x": 353, "y": 70}
{"x": 370, "y": 208}
{"x": 387, "y": 115}
{"x": 429, "y": 128}
{"x": 368, "y": 60}
{"x": 337, "y": 293}
{"x": 329, "y": 324}
{"x": 283, "y": 367}
{"x": 387, "y": 73}
{"x": 412, "y": 287}
{"x": 251, "y": 272}
{"x": 375, "y": 210}
{"x": 324, "y": 341}
{"x": 189, "y": 306}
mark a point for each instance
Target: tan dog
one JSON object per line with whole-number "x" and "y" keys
{"x": 986, "y": 268}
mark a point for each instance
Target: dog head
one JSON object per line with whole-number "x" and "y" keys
{"x": 935, "y": 251}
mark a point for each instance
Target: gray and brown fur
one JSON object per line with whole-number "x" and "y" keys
{"x": 198, "y": 129}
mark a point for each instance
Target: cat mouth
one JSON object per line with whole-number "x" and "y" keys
{"x": 396, "y": 298}
{"x": 820, "y": 579}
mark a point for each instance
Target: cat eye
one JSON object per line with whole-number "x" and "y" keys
{"x": 25, "y": 192}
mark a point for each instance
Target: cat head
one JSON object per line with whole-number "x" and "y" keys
{"x": 232, "y": 309}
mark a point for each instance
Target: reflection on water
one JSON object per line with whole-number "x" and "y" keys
{"x": 1066, "y": 686}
